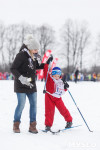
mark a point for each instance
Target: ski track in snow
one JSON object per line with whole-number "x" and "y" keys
{"x": 86, "y": 95}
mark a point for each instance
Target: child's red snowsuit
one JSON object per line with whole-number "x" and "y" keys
{"x": 51, "y": 102}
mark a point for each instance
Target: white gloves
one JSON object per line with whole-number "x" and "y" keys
{"x": 26, "y": 81}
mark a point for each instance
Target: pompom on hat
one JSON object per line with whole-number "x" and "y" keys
{"x": 31, "y": 43}
{"x": 56, "y": 70}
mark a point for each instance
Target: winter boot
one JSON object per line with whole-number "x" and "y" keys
{"x": 47, "y": 128}
{"x": 32, "y": 127}
{"x": 16, "y": 127}
{"x": 68, "y": 124}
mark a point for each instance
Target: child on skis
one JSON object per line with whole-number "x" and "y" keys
{"x": 55, "y": 87}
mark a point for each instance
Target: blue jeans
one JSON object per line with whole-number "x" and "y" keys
{"x": 21, "y": 97}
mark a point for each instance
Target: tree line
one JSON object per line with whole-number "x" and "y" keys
{"x": 74, "y": 38}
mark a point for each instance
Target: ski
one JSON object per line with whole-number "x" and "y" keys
{"x": 61, "y": 130}
{"x": 53, "y": 132}
{"x": 70, "y": 128}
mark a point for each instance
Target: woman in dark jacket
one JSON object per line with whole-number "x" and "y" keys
{"x": 24, "y": 70}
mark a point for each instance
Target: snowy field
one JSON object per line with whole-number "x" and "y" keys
{"x": 87, "y": 97}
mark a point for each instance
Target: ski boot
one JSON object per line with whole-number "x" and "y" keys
{"x": 68, "y": 125}
{"x": 47, "y": 128}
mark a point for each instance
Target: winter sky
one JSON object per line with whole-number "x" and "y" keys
{"x": 52, "y": 12}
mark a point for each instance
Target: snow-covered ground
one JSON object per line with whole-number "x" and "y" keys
{"x": 87, "y": 97}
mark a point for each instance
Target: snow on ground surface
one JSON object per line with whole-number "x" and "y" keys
{"x": 87, "y": 97}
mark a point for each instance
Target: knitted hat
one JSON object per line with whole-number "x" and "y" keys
{"x": 31, "y": 43}
{"x": 56, "y": 70}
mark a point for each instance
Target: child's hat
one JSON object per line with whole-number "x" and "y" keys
{"x": 56, "y": 70}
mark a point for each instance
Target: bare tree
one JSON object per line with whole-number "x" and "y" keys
{"x": 66, "y": 35}
{"x": 75, "y": 45}
{"x": 75, "y": 40}
{"x": 12, "y": 40}
{"x": 25, "y": 29}
{"x": 2, "y": 32}
{"x": 84, "y": 41}
{"x": 45, "y": 35}
{"x": 97, "y": 51}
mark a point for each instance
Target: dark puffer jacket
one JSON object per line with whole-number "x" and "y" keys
{"x": 24, "y": 65}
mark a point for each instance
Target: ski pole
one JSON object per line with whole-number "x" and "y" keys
{"x": 79, "y": 111}
{"x": 44, "y": 91}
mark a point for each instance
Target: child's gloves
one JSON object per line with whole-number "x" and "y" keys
{"x": 26, "y": 81}
{"x": 44, "y": 91}
{"x": 49, "y": 59}
{"x": 66, "y": 85}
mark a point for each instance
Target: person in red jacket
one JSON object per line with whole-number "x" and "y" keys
{"x": 55, "y": 87}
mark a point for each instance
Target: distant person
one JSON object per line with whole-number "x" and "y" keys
{"x": 55, "y": 87}
{"x": 64, "y": 76}
{"x": 76, "y": 75}
{"x": 24, "y": 70}
{"x": 94, "y": 76}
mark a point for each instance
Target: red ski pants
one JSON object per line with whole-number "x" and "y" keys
{"x": 50, "y": 103}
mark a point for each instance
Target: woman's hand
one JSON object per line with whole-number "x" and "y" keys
{"x": 26, "y": 81}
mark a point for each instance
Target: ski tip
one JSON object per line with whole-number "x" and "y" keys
{"x": 55, "y": 132}
{"x": 90, "y": 131}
